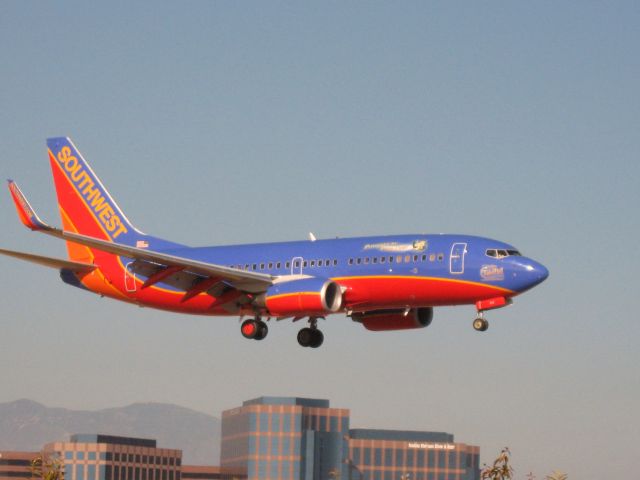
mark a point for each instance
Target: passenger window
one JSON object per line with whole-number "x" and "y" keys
{"x": 255, "y": 266}
{"x": 262, "y": 266}
{"x": 351, "y": 261}
{"x": 374, "y": 259}
{"x": 313, "y": 263}
{"x": 382, "y": 259}
{"x": 297, "y": 263}
{"x": 424, "y": 258}
{"x": 415, "y": 258}
{"x": 246, "y": 267}
{"x": 366, "y": 260}
{"x": 270, "y": 265}
{"x": 304, "y": 264}
{"x": 358, "y": 261}
{"x": 335, "y": 262}
{"x": 390, "y": 259}
{"x": 440, "y": 257}
{"x": 278, "y": 265}
{"x": 288, "y": 265}
{"x": 399, "y": 259}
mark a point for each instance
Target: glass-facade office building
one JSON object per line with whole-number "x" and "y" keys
{"x": 409, "y": 455}
{"x": 108, "y": 457}
{"x": 285, "y": 438}
{"x": 274, "y": 438}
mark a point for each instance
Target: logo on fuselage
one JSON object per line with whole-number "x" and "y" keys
{"x": 395, "y": 247}
{"x": 492, "y": 273}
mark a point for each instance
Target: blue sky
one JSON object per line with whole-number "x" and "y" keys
{"x": 228, "y": 122}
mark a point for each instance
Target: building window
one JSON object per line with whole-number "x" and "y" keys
{"x": 388, "y": 457}
{"x": 377, "y": 457}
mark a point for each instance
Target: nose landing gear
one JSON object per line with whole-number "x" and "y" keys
{"x": 480, "y": 323}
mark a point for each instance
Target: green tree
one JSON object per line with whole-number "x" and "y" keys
{"x": 45, "y": 467}
{"x": 500, "y": 470}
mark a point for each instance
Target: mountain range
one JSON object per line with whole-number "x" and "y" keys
{"x": 28, "y": 425}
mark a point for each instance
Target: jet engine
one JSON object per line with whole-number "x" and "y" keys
{"x": 305, "y": 297}
{"x": 383, "y": 320}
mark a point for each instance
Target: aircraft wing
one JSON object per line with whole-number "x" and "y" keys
{"x": 50, "y": 262}
{"x": 241, "y": 280}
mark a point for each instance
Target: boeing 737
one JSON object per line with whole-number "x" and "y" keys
{"x": 384, "y": 282}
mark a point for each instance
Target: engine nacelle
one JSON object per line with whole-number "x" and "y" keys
{"x": 384, "y": 320}
{"x": 305, "y": 297}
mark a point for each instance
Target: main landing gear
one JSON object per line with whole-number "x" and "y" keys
{"x": 310, "y": 336}
{"x": 254, "y": 329}
{"x": 480, "y": 323}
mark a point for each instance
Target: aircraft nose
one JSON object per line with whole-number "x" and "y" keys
{"x": 536, "y": 272}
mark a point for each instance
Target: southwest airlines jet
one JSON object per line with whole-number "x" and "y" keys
{"x": 386, "y": 283}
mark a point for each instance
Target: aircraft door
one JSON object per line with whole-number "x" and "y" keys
{"x": 129, "y": 278}
{"x": 296, "y": 265}
{"x": 456, "y": 259}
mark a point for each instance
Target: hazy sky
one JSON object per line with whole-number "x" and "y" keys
{"x": 235, "y": 122}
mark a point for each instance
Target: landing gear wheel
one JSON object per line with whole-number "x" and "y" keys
{"x": 254, "y": 329}
{"x": 305, "y": 337}
{"x": 317, "y": 339}
{"x": 262, "y": 330}
{"x": 480, "y": 324}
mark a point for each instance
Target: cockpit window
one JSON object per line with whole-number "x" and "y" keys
{"x": 501, "y": 253}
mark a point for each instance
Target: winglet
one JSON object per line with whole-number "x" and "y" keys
{"x": 26, "y": 214}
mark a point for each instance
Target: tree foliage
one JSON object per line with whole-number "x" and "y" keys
{"x": 45, "y": 467}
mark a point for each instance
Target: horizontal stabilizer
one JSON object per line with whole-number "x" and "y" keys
{"x": 50, "y": 262}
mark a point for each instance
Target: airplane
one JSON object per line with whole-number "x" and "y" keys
{"x": 385, "y": 283}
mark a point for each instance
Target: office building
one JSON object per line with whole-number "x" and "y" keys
{"x": 409, "y": 455}
{"x": 274, "y": 438}
{"x": 16, "y": 465}
{"x": 108, "y": 457}
{"x": 285, "y": 438}
{"x": 198, "y": 472}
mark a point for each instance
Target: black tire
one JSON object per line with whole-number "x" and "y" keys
{"x": 479, "y": 324}
{"x": 317, "y": 339}
{"x": 263, "y": 330}
{"x": 249, "y": 329}
{"x": 305, "y": 337}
